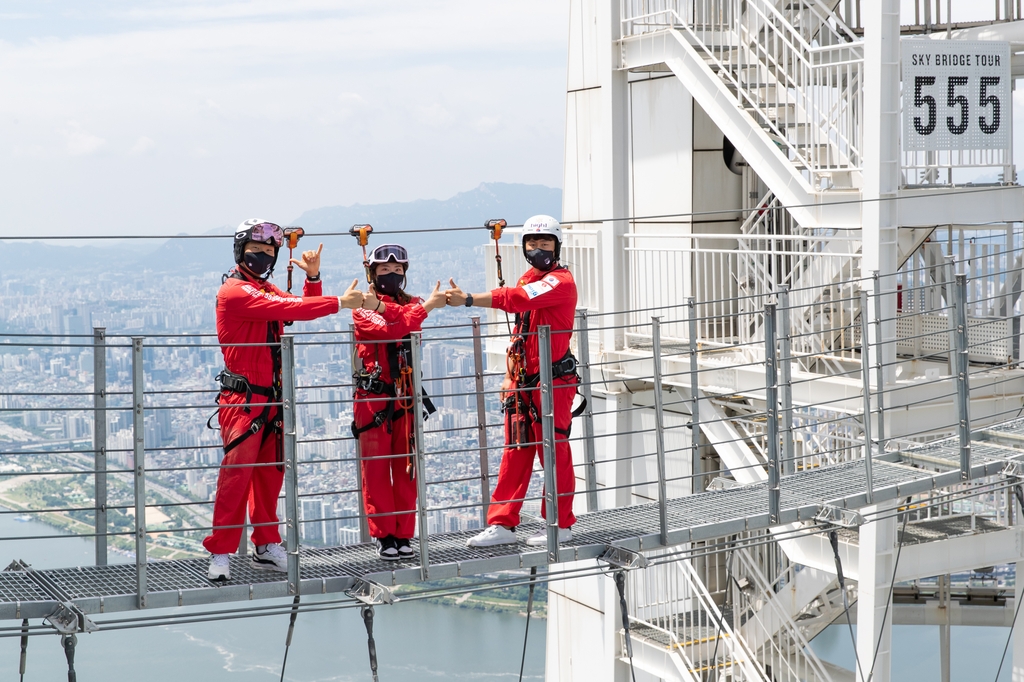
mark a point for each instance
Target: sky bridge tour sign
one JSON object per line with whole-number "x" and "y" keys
{"x": 956, "y": 95}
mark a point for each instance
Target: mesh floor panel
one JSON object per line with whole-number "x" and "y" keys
{"x": 715, "y": 511}
{"x": 18, "y": 586}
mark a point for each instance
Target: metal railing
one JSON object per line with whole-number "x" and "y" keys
{"x": 672, "y": 607}
{"x": 661, "y": 421}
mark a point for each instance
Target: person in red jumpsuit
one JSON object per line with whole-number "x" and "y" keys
{"x": 544, "y": 295}
{"x": 251, "y": 310}
{"x": 382, "y": 416}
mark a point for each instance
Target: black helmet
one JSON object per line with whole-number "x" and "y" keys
{"x": 257, "y": 230}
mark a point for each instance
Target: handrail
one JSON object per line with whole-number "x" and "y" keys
{"x": 765, "y": 40}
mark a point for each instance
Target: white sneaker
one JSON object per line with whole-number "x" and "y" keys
{"x": 541, "y": 539}
{"x": 220, "y": 568}
{"x": 493, "y": 535}
{"x": 271, "y": 557}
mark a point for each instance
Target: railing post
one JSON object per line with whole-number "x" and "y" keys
{"x": 139, "y": 468}
{"x": 659, "y": 431}
{"x": 963, "y": 390}
{"x": 771, "y": 397}
{"x": 364, "y": 524}
{"x": 421, "y": 467}
{"x": 291, "y": 474}
{"x": 99, "y": 439}
{"x": 879, "y": 363}
{"x": 865, "y": 377}
{"x": 786, "y": 379}
{"x": 951, "y": 301}
{"x": 695, "y": 462}
{"x": 589, "y": 454}
{"x": 481, "y": 421}
{"x": 547, "y": 421}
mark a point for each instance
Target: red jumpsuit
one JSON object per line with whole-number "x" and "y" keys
{"x": 387, "y": 487}
{"x": 252, "y": 311}
{"x": 552, "y": 298}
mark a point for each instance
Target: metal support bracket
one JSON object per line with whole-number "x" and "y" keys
{"x": 370, "y": 593}
{"x": 623, "y": 558}
{"x": 68, "y": 619}
{"x": 1013, "y": 470}
{"x": 835, "y": 516}
{"x": 719, "y": 483}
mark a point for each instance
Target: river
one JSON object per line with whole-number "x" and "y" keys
{"x": 415, "y": 640}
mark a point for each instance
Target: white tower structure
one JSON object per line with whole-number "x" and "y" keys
{"x": 744, "y": 170}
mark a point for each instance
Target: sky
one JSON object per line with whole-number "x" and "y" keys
{"x": 180, "y": 116}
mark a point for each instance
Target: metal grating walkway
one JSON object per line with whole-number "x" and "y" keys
{"x": 712, "y": 514}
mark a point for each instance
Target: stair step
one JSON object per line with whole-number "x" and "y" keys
{"x": 716, "y": 67}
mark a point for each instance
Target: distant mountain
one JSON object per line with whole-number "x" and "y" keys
{"x": 513, "y": 202}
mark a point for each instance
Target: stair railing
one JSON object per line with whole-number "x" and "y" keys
{"x": 768, "y": 629}
{"x": 808, "y": 98}
{"x": 670, "y": 606}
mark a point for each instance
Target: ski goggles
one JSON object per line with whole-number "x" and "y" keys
{"x": 386, "y": 252}
{"x": 265, "y": 232}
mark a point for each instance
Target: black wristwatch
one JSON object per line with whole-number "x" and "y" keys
{"x": 313, "y": 279}
{"x": 469, "y": 300}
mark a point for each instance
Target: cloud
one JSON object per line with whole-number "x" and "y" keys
{"x": 487, "y": 124}
{"x": 142, "y": 145}
{"x": 80, "y": 143}
{"x": 434, "y": 115}
{"x": 323, "y": 102}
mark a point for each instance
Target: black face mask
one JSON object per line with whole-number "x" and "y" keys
{"x": 259, "y": 263}
{"x": 389, "y": 284}
{"x": 541, "y": 259}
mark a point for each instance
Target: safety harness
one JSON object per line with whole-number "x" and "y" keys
{"x": 237, "y": 383}
{"x": 398, "y": 391}
{"x": 521, "y": 411}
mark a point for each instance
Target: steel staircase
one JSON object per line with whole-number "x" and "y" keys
{"x": 680, "y": 631}
{"x": 789, "y": 95}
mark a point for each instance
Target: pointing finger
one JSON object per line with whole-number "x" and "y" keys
{"x": 320, "y": 248}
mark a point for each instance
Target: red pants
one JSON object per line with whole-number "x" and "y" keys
{"x": 257, "y": 486}
{"x": 517, "y": 465}
{"x": 387, "y": 487}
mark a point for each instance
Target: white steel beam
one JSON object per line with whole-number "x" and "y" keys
{"x": 925, "y": 207}
{"x": 1017, "y": 663}
{"x": 924, "y": 560}
{"x": 874, "y": 608}
{"x": 809, "y": 208}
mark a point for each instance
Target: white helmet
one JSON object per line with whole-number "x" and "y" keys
{"x": 546, "y": 225}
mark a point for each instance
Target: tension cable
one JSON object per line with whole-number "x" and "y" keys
{"x": 620, "y": 583}
{"x": 367, "y": 612}
{"x": 529, "y": 608}
{"x": 24, "y": 648}
{"x": 69, "y": 642}
{"x": 833, "y": 539}
{"x": 291, "y": 629}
